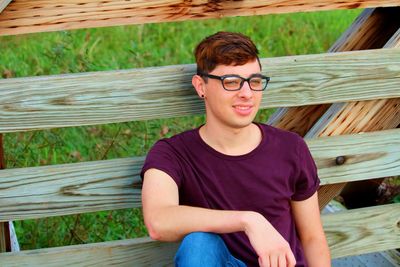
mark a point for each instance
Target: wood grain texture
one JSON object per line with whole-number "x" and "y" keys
{"x": 363, "y": 230}
{"x": 297, "y": 119}
{"x": 115, "y": 184}
{"x": 355, "y": 117}
{"x": 363, "y": 116}
{"x": 24, "y": 16}
{"x": 365, "y": 155}
{"x": 394, "y": 41}
{"x": 139, "y": 94}
{"x": 372, "y": 29}
{"x": 3, "y": 4}
{"x": 4, "y": 237}
{"x": 70, "y": 188}
{"x": 349, "y": 233}
{"x": 129, "y": 252}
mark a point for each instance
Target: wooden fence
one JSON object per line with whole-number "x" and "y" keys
{"x": 328, "y": 98}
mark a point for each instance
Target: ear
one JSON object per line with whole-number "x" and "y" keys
{"x": 199, "y": 85}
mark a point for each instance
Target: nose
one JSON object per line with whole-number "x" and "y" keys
{"x": 245, "y": 91}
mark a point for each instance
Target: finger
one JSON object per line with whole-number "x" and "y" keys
{"x": 282, "y": 261}
{"x": 291, "y": 260}
{"x": 273, "y": 259}
{"x": 263, "y": 262}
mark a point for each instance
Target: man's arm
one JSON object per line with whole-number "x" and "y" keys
{"x": 309, "y": 226}
{"x": 166, "y": 220}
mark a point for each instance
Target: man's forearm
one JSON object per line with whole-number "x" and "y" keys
{"x": 317, "y": 253}
{"x": 174, "y": 222}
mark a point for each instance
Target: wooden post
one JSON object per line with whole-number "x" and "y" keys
{"x": 5, "y": 242}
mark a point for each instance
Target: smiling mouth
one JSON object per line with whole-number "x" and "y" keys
{"x": 243, "y": 110}
{"x": 243, "y": 107}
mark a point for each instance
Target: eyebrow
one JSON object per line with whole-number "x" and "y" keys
{"x": 237, "y": 75}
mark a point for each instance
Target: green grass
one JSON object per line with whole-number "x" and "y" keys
{"x": 165, "y": 44}
{"x": 123, "y": 48}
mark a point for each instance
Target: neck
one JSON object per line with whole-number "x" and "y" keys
{"x": 231, "y": 141}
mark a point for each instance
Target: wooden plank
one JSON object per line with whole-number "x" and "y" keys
{"x": 371, "y": 155}
{"x": 364, "y": 116}
{"x": 3, "y": 225}
{"x": 3, "y": 4}
{"x": 24, "y": 16}
{"x": 357, "y": 117}
{"x": 55, "y": 190}
{"x": 3, "y": 236}
{"x": 394, "y": 41}
{"x": 5, "y": 241}
{"x": 348, "y": 233}
{"x": 363, "y": 230}
{"x": 70, "y": 188}
{"x": 130, "y": 252}
{"x": 117, "y": 96}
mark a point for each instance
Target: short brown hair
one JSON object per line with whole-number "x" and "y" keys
{"x": 224, "y": 48}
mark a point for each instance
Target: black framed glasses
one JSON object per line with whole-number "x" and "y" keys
{"x": 233, "y": 82}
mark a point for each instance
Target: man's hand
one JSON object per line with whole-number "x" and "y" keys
{"x": 272, "y": 249}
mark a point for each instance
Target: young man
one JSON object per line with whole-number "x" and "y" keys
{"x": 239, "y": 193}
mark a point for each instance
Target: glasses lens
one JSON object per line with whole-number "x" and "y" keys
{"x": 258, "y": 83}
{"x": 232, "y": 83}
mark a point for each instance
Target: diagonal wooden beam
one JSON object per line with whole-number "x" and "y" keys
{"x": 3, "y": 4}
{"x": 355, "y": 117}
{"x": 372, "y": 29}
{"x": 382, "y": 22}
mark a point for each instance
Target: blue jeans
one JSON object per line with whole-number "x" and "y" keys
{"x": 201, "y": 249}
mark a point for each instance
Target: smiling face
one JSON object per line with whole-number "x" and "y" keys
{"x": 232, "y": 109}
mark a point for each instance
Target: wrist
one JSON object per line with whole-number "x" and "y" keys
{"x": 250, "y": 219}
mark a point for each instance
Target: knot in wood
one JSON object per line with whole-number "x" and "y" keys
{"x": 340, "y": 160}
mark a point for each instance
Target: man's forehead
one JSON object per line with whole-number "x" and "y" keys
{"x": 251, "y": 66}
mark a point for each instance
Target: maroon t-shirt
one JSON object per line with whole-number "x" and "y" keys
{"x": 278, "y": 170}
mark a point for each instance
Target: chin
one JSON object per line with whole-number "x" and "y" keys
{"x": 240, "y": 124}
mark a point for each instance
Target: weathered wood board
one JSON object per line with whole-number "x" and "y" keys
{"x": 365, "y": 230}
{"x": 116, "y": 96}
{"x": 24, "y": 16}
{"x": 348, "y": 233}
{"x": 63, "y": 189}
{"x": 129, "y": 252}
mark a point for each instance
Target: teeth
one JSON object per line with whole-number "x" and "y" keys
{"x": 242, "y": 108}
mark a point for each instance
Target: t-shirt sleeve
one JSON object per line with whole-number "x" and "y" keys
{"x": 307, "y": 180}
{"x": 163, "y": 157}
